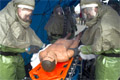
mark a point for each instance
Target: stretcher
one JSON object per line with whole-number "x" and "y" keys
{"x": 59, "y": 73}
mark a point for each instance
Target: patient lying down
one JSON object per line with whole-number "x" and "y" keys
{"x": 62, "y": 50}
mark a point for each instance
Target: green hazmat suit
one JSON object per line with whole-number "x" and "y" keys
{"x": 70, "y": 22}
{"x": 73, "y": 21}
{"x": 103, "y": 36}
{"x": 54, "y": 27}
{"x": 67, "y": 22}
{"x": 15, "y": 36}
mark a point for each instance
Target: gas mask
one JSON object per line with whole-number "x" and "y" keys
{"x": 88, "y": 11}
{"x": 25, "y": 12}
{"x": 59, "y": 11}
{"x": 67, "y": 10}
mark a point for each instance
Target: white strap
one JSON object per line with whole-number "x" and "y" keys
{"x": 25, "y": 6}
{"x": 89, "y": 5}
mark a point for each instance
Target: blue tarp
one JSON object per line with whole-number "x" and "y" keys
{"x": 41, "y": 15}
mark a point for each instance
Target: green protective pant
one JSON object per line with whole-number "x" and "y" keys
{"x": 11, "y": 67}
{"x": 107, "y": 68}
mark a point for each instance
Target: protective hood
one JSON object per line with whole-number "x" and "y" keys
{"x": 103, "y": 32}
{"x": 13, "y": 33}
{"x": 25, "y": 2}
{"x": 100, "y": 13}
{"x": 89, "y": 4}
{"x": 55, "y": 12}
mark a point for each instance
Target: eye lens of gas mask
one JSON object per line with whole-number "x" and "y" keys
{"x": 88, "y": 13}
{"x": 59, "y": 11}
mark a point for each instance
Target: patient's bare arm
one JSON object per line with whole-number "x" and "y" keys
{"x": 75, "y": 44}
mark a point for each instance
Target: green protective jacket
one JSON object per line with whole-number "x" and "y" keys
{"x": 15, "y": 36}
{"x": 103, "y": 36}
{"x": 55, "y": 26}
{"x": 71, "y": 24}
{"x": 67, "y": 25}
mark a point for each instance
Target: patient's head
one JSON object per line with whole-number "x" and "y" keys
{"x": 48, "y": 66}
{"x": 49, "y": 61}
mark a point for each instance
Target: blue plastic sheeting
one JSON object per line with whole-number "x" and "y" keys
{"x": 3, "y": 3}
{"x": 41, "y": 15}
{"x": 26, "y": 57}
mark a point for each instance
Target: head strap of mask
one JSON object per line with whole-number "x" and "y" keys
{"x": 25, "y": 6}
{"x": 89, "y": 5}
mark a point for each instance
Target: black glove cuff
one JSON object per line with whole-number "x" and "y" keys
{"x": 75, "y": 51}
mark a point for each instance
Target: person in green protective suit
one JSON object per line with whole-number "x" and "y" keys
{"x": 70, "y": 22}
{"x": 54, "y": 27}
{"x": 16, "y": 37}
{"x": 102, "y": 37}
{"x": 73, "y": 20}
